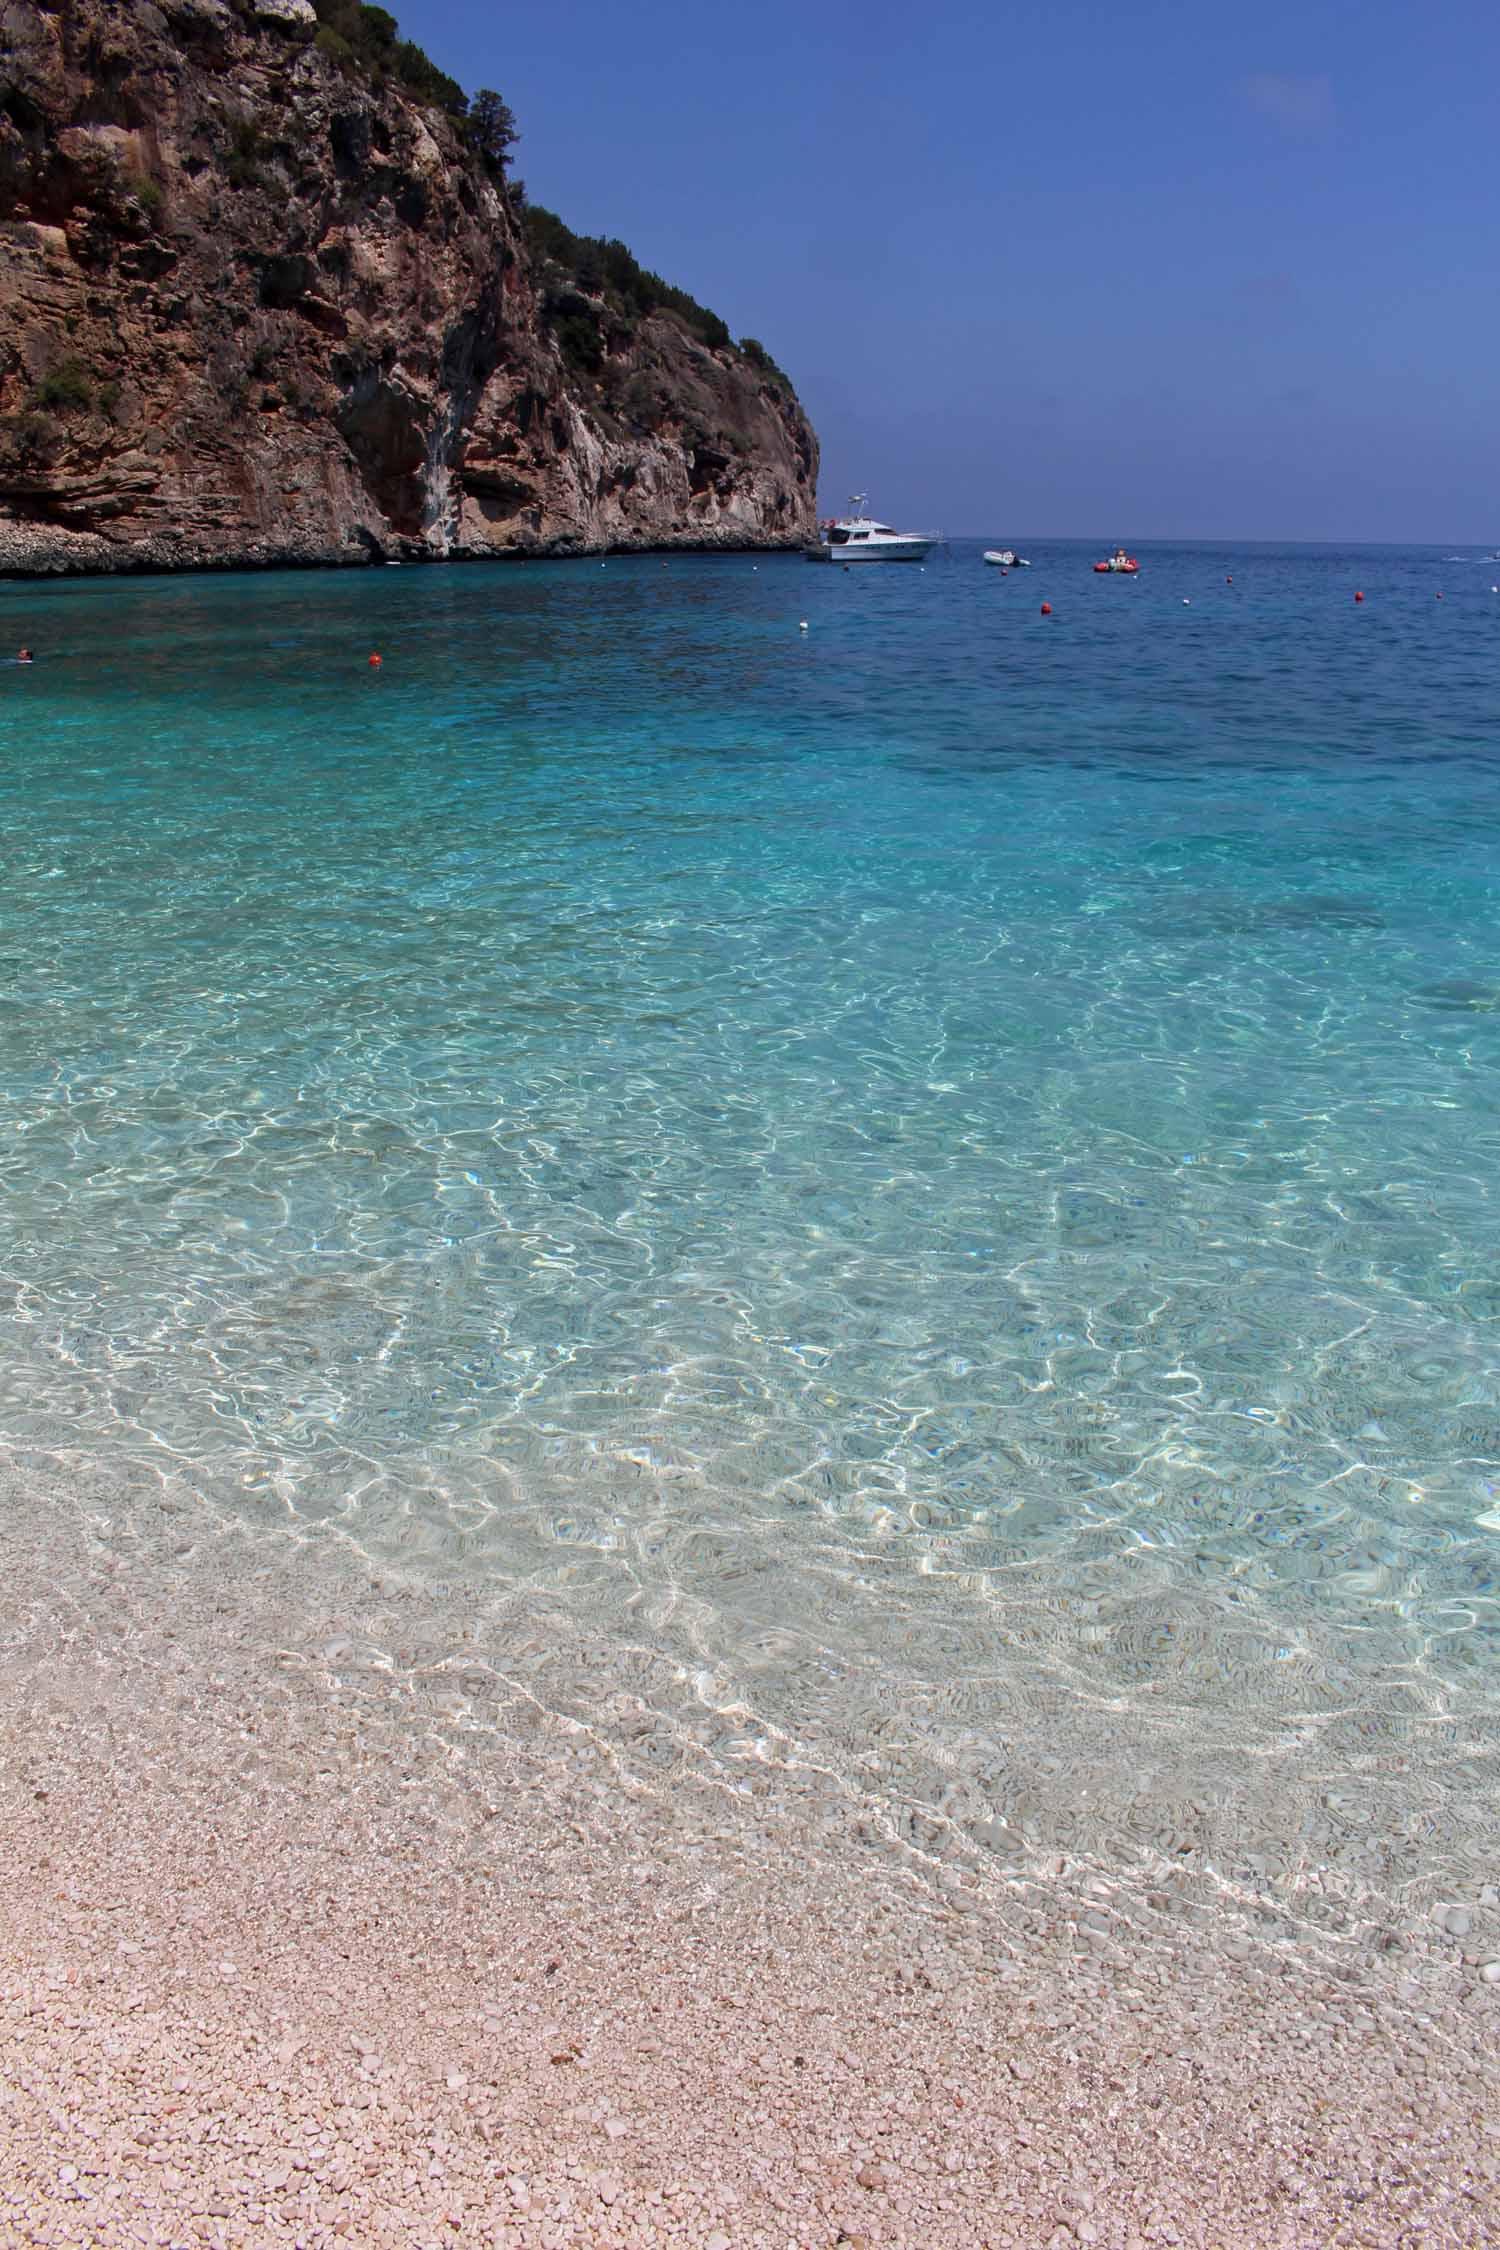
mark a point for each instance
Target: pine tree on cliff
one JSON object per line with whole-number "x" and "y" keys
{"x": 492, "y": 128}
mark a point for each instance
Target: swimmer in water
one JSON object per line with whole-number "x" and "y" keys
{"x": 25, "y": 657}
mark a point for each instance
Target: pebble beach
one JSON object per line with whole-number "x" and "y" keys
{"x": 279, "y": 1965}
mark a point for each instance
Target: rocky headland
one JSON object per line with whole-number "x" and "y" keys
{"x": 266, "y": 296}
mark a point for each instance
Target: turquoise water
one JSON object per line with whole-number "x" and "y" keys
{"x": 945, "y": 1163}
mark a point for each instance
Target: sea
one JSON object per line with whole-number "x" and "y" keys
{"x": 921, "y": 1177}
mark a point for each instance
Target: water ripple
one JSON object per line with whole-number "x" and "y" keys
{"x": 946, "y": 1180}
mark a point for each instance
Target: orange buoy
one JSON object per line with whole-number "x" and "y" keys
{"x": 1046, "y": 609}
{"x": 374, "y": 660}
{"x": 1359, "y": 597}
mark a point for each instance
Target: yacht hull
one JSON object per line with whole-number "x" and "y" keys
{"x": 872, "y": 550}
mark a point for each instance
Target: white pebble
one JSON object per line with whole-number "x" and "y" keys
{"x": 1490, "y": 1973}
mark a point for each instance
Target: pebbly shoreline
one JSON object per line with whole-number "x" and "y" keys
{"x": 284, "y": 1962}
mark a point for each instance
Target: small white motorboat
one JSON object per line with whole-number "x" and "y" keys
{"x": 1007, "y": 558}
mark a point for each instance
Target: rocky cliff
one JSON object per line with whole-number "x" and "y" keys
{"x": 258, "y": 305}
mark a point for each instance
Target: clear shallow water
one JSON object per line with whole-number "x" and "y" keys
{"x": 939, "y": 1173}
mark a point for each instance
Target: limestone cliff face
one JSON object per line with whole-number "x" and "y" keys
{"x": 254, "y": 310}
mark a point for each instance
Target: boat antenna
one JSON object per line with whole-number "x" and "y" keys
{"x": 858, "y": 502}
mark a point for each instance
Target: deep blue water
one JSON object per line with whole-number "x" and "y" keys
{"x": 638, "y": 1094}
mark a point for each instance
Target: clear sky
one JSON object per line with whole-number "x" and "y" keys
{"x": 1134, "y": 269}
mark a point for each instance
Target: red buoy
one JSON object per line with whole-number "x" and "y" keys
{"x": 1046, "y": 609}
{"x": 1359, "y": 597}
{"x": 375, "y": 661}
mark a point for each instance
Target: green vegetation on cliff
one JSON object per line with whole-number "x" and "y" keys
{"x": 755, "y": 351}
{"x": 601, "y": 267}
{"x": 368, "y": 41}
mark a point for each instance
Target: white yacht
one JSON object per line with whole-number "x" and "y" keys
{"x": 857, "y": 537}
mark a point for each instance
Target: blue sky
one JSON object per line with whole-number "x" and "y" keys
{"x": 1127, "y": 270}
